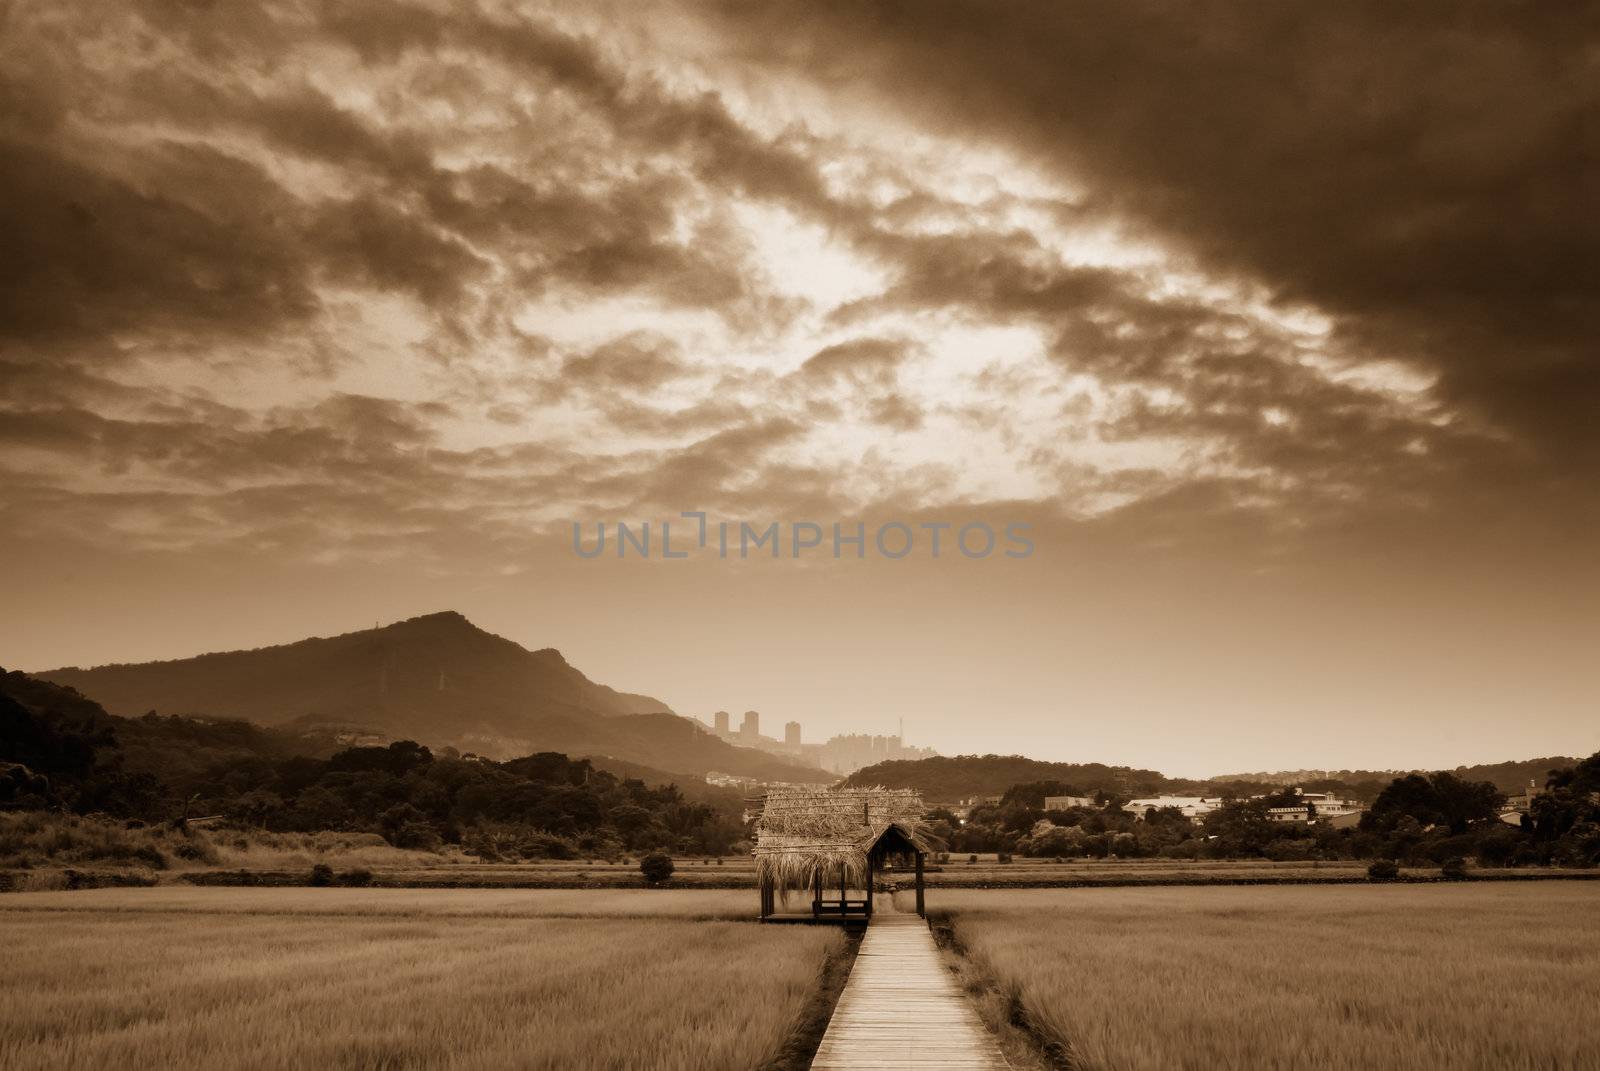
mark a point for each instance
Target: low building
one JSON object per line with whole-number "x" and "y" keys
{"x": 1522, "y": 801}
{"x": 964, "y": 808}
{"x": 1193, "y": 808}
{"x": 728, "y": 780}
{"x": 1518, "y": 805}
{"x": 1317, "y": 807}
{"x": 1067, "y": 803}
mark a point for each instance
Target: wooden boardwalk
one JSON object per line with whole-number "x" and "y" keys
{"x": 901, "y": 1008}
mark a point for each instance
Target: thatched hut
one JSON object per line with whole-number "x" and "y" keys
{"x": 827, "y": 840}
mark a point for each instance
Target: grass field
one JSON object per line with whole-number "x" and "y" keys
{"x": 689, "y": 904}
{"x": 1343, "y": 977}
{"x": 739, "y": 872}
{"x": 352, "y": 978}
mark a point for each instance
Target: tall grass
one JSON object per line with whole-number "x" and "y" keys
{"x": 1342, "y": 977}
{"x": 195, "y": 988}
{"x": 32, "y": 840}
{"x": 710, "y": 904}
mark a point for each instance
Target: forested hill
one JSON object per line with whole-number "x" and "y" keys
{"x": 436, "y": 679}
{"x": 950, "y": 778}
{"x": 59, "y": 750}
{"x": 946, "y": 779}
{"x": 1508, "y": 777}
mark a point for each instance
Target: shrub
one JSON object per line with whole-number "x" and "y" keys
{"x": 357, "y": 876}
{"x": 1384, "y": 870}
{"x": 1499, "y": 846}
{"x": 1003, "y": 857}
{"x": 1454, "y": 869}
{"x": 656, "y": 867}
{"x": 148, "y": 855}
{"x": 537, "y": 845}
{"x": 322, "y": 875}
{"x": 971, "y": 859}
{"x": 1187, "y": 849}
{"x": 418, "y": 836}
{"x": 1291, "y": 849}
{"x": 194, "y": 846}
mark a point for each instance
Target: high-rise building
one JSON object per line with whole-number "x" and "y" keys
{"x": 751, "y": 726}
{"x": 847, "y": 754}
{"x": 719, "y": 721}
{"x": 791, "y": 734}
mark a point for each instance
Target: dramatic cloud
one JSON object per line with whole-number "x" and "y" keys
{"x": 1427, "y": 182}
{"x": 309, "y": 275}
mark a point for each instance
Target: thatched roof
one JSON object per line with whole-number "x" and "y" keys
{"x": 804, "y": 831}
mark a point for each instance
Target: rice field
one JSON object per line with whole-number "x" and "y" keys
{"x": 688, "y": 904}
{"x": 398, "y": 978}
{"x": 1340, "y": 977}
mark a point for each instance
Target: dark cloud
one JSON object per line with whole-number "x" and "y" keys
{"x": 870, "y": 359}
{"x": 253, "y": 189}
{"x": 635, "y": 363}
{"x": 869, "y": 370}
{"x": 1428, "y": 181}
{"x": 726, "y": 470}
{"x": 201, "y": 242}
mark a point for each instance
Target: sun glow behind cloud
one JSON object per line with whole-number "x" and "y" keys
{"x": 595, "y": 272}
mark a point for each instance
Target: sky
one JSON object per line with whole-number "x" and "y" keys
{"x": 1274, "y": 324}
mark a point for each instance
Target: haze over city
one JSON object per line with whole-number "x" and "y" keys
{"x": 318, "y": 319}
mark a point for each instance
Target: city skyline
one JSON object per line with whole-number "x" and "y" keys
{"x": 842, "y": 753}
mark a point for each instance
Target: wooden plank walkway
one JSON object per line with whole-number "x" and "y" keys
{"x": 901, "y": 1008}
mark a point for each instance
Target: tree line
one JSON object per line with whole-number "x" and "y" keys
{"x": 1416, "y": 819}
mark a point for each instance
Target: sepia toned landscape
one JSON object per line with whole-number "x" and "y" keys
{"x": 855, "y": 535}
{"x": 179, "y": 892}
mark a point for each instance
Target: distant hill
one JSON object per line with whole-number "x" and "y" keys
{"x": 1508, "y": 777}
{"x": 946, "y": 779}
{"x": 436, "y": 679}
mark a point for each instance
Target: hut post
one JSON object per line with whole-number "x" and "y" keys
{"x": 921, "y": 908}
{"x": 872, "y": 870}
{"x": 816, "y": 895}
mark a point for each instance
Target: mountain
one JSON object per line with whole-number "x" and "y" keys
{"x": 437, "y": 679}
{"x": 423, "y": 675}
{"x": 61, "y": 750}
